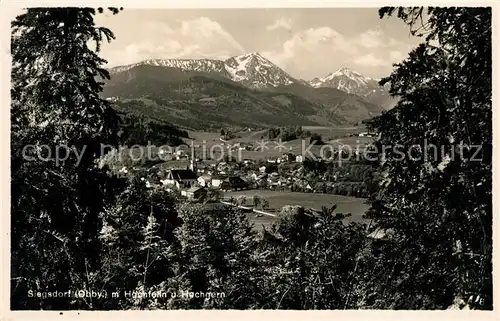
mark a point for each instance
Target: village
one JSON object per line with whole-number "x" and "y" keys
{"x": 263, "y": 186}
{"x": 193, "y": 177}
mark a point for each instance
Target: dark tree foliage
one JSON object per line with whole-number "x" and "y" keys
{"x": 288, "y": 133}
{"x": 141, "y": 130}
{"x": 438, "y": 203}
{"x": 309, "y": 262}
{"x": 216, "y": 253}
{"x": 352, "y": 178}
{"x": 56, "y": 197}
{"x": 315, "y": 139}
{"x": 301, "y": 262}
{"x": 137, "y": 236}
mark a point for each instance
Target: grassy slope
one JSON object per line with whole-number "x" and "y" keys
{"x": 356, "y": 206}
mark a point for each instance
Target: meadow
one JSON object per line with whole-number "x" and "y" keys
{"x": 332, "y": 136}
{"x": 209, "y": 147}
{"x": 345, "y": 204}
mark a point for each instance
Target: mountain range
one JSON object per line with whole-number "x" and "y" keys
{"x": 247, "y": 90}
{"x": 251, "y": 70}
{"x": 353, "y": 82}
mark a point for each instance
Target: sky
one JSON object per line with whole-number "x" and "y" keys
{"x": 306, "y": 43}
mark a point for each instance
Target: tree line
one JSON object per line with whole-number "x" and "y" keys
{"x": 288, "y": 133}
{"x": 142, "y": 130}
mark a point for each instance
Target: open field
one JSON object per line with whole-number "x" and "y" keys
{"x": 259, "y": 223}
{"x": 351, "y": 143}
{"x": 332, "y": 132}
{"x": 326, "y": 132}
{"x": 345, "y": 204}
{"x": 334, "y": 136}
{"x": 207, "y": 145}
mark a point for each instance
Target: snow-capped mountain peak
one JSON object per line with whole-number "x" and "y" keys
{"x": 253, "y": 55}
{"x": 256, "y": 71}
{"x": 201, "y": 65}
{"x": 344, "y": 71}
{"x": 347, "y": 74}
{"x": 346, "y": 80}
{"x": 250, "y": 69}
{"x": 353, "y": 82}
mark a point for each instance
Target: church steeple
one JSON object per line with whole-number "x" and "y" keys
{"x": 192, "y": 163}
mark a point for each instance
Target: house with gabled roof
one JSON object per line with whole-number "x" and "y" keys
{"x": 195, "y": 193}
{"x": 217, "y": 180}
{"x": 233, "y": 183}
{"x": 205, "y": 180}
{"x": 181, "y": 178}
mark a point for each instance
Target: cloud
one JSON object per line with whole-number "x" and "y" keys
{"x": 306, "y": 53}
{"x": 370, "y": 60}
{"x": 315, "y": 52}
{"x": 195, "y": 38}
{"x": 396, "y": 56}
{"x": 205, "y": 31}
{"x": 372, "y": 38}
{"x": 282, "y": 23}
{"x": 322, "y": 43}
{"x": 393, "y": 42}
{"x": 146, "y": 50}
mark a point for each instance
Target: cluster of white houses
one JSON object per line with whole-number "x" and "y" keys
{"x": 194, "y": 182}
{"x": 194, "y": 186}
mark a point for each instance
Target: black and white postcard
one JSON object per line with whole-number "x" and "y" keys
{"x": 250, "y": 158}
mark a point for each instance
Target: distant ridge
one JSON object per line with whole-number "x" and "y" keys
{"x": 252, "y": 70}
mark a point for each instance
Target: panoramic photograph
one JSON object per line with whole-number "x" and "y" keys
{"x": 251, "y": 159}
